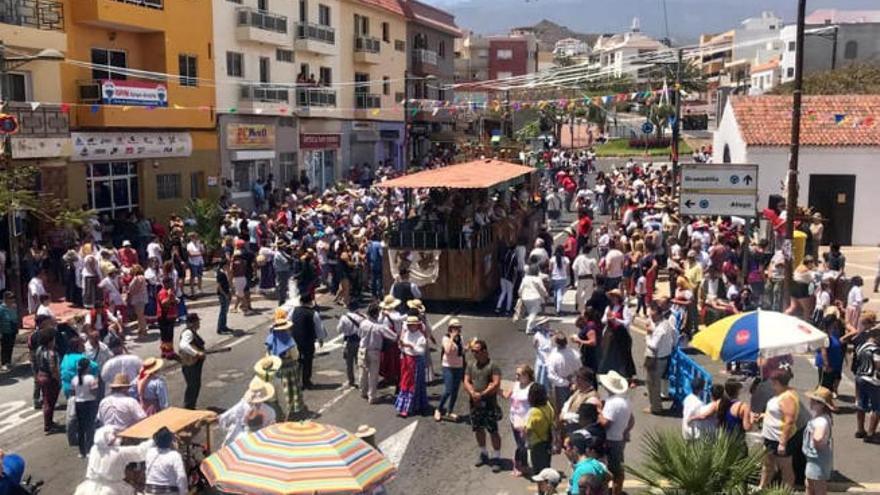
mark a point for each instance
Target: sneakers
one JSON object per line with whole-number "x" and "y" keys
{"x": 496, "y": 465}
{"x": 482, "y": 460}
{"x": 437, "y": 415}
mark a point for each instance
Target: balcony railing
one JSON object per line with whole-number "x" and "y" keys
{"x": 150, "y": 4}
{"x": 317, "y": 32}
{"x": 262, "y": 20}
{"x": 40, "y": 14}
{"x": 264, "y": 93}
{"x": 366, "y": 44}
{"x": 315, "y": 97}
{"x": 425, "y": 56}
{"x": 44, "y": 122}
{"x": 367, "y": 100}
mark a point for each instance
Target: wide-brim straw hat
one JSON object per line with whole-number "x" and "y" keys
{"x": 152, "y": 365}
{"x": 364, "y": 431}
{"x": 614, "y": 382}
{"x": 267, "y": 365}
{"x": 121, "y": 380}
{"x": 389, "y": 302}
{"x": 259, "y": 391}
{"x": 416, "y": 304}
{"x": 824, "y": 396}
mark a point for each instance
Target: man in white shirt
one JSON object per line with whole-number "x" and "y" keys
{"x": 348, "y": 327}
{"x": 562, "y": 364}
{"x": 691, "y": 428}
{"x": 659, "y": 343}
{"x": 538, "y": 254}
{"x": 165, "y": 471}
{"x": 127, "y": 364}
{"x": 154, "y": 250}
{"x": 613, "y": 267}
{"x": 585, "y": 269}
{"x": 119, "y": 410}
{"x": 36, "y": 289}
{"x": 618, "y": 420}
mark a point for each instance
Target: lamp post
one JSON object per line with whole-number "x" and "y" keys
{"x": 7, "y": 64}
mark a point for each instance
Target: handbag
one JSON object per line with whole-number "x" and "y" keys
{"x": 72, "y": 425}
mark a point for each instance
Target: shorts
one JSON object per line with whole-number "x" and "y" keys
{"x": 485, "y": 418}
{"x": 612, "y": 283}
{"x": 867, "y": 397}
{"x": 771, "y": 446}
{"x": 196, "y": 270}
{"x": 239, "y": 284}
{"x": 828, "y": 378}
{"x": 615, "y": 456}
{"x": 817, "y": 469}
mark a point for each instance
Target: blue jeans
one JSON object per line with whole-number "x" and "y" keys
{"x": 452, "y": 378}
{"x": 376, "y": 287}
{"x": 224, "y": 309}
{"x": 559, "y": 285}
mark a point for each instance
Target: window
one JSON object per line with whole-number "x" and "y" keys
{"x": 286, "y": 167}
{"x": 303, "y": 11}
{"x": 246, "y": 172}
{"x": 400, "y": 45}
{"x": 234, "y": 1}
{"x": 263, "y": 5}
{"x": 264, "y": 70}
{"x": 17, "y": 86}
{"x": 504, "y": 54}
{"x": 386, "y": 86}
{"x": 286, "y": 122}
{"x": 362, "y": 82}
{"x": 189, "y": 71}
{"x": 234, "y": 64}
{"x": 441, "y": 49}
{"x": 197, "y": 185}
{"x": 112, "y": 186}
{"x": 504, "y": 75}
{"x": 386, "y": 32}
{"x": 326, "y": 74}
{"x": 323, "y": 15}
{"x": 790, "y": 72}
{"x": 167, "y": 186}
{"x": 792, "y": 46}
{"x": 851, "y": 50}
{"x": 304, "y": 71}
{"x": 111, "y": 58}
{"x": 283, "y": 55}
{"x": 361, "y": 25}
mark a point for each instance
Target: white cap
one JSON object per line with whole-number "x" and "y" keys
{"x": 549, "y": 475}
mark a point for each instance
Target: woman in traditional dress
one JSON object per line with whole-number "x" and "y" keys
{"x": 151, "y": 388}
{"x": 413, "y": 395}
{"x": 389, "y": 363}
{"x": 616, "y": 340}
{"x": 281, "y": 346}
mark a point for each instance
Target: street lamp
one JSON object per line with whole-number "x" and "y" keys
{"x": 7, "y": 64}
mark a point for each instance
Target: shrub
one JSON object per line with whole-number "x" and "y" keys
{"x": 650, "y": 142}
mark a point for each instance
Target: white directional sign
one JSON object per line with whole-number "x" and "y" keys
{"x": 710, "y": 190}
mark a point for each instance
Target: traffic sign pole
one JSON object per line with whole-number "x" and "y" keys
{"x": 713, "y": 190}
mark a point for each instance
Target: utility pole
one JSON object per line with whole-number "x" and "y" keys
{"x": 834, "y": 48}
{"x": 676, "y": 125}
{"x": 792, "y": 184}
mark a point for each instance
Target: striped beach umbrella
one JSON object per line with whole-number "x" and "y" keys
{"x": 297, "y": 458}
{"x": 746, "y": 336}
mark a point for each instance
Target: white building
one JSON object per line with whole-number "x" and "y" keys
{"x": 840, "y": 142}
{"x": 571, "y": 47}
{"x": 253, "y": 47}
{"x": 618, "y": 54}
{"x": 854, "y": 33}
{"x": 764, "y": 77}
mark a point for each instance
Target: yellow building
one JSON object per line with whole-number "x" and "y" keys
{"x": 141, "y": 140}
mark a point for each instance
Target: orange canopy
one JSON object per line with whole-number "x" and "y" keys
{"x": 478, "y": 174}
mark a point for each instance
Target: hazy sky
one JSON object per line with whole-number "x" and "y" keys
{"x": 687, "y": 18}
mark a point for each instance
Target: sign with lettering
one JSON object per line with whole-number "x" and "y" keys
{"x": 108, "y": 146}
{"x": 319, "y": 141}
{"x": 711, "y": 190}
{"x": 250, "y": 136}
{"x": 140, "y": 93}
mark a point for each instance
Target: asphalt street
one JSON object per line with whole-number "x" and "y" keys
{"x": 433, "y": 457}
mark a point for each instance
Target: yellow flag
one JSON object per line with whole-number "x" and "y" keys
{"x": 375, "y": 111}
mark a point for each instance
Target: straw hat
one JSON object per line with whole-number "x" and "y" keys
{"x": 824, "y": 396}
{"x": 267, "y": 366}
{"x": 455, "y": 322}
{"x": 259, "y": 391}
{"x": 120, "y": 381}
{"x": 413, "y": 320}
{"x": 615, "y": 293}
{"x": 389, "y": 302}
{"x": 280, "y": 321}
{"x": 151, "y": 365}
{"x": 416, "y": 304}
{"x": 365, "y": 431}
{"x": 614, "y": 382}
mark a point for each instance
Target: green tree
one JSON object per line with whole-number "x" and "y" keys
{"x": 658, "y": 114}
{"x": 692, "y": 79}
{"x": 207, "y": 216}
{"x": 19, "y": 192}
{"x": 853, "y": 79}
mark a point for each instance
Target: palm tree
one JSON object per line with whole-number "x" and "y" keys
{"x": 715, "y": 464}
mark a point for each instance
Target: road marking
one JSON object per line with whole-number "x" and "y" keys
{"x": 437, "y": 325}
{"x": 394, "y": 447}
{"x": 327, "y": 405}
{"x": 239, "y": 340}
{"x": 16, "y": 413}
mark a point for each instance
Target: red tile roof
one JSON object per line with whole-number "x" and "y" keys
{"x": 772, "y": 64}
{"x": 478, "y": 174}
{"x": 390, "y": 5}
{"x": 838, "y": 120}
{"x": 430, "y": 16}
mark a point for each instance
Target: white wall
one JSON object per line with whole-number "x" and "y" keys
{"x": 861, "y": 162}
{"x": 728, "y": 134}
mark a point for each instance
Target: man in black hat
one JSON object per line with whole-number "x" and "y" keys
{"x": 192, "y": 358}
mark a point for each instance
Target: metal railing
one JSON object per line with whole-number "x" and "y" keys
{"x": 317, "y": 32}
{"x": 367, "y": 100}
{"x": 264, "y": 93}
{"x": 40, "y": 14}
{"x": 262, "y": 20}
{"x": 151, "y": 4}
{"x": 436, "y": 235}
{"x": 421, "y": 55}
{"x": 367, "y": 44}
{"x": 315, "y": 97}
{"x": 46, "y": 121}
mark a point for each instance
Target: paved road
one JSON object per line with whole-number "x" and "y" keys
{"x": 434, "y": 457}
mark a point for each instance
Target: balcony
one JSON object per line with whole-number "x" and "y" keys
{"x": 42, "y": 133}
{"x": 366, "y": 50}
{"x": 38, "y": 14}
{"x": 263, "y": 98}
{"x": 261, "y": 27}
{"x": 136, "y": 103}
{"x": 424, "y": 62}
{"x": 136, "y": 16}
{"x": 315, "y": 102}
{"x": 365, "y": 103}
{"x": 315, "y": 38}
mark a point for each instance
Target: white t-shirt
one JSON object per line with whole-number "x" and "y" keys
{"x": 614, "y": 263}
{"x": 691, "y": 406}
{"x": 87, "y": 391}
{"x": 854, "y": 298}
{"x": 617, "y": 410}
{"x": 543, "y": 346}
{"x": 195, "y": 251}
{"x": 154, "y": 250}
{"x": 519, "y": 404}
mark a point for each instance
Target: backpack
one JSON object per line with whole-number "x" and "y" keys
{"x": 865, "y": 360}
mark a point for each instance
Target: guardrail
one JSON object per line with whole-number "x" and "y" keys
{"x": 425, "y": 56}
{"x": 40, "y": 14}
{"x": 262, "y": 20}
{"x": 436, "y": 236}
{"x": 682, "y": 370}
{"x": 269, "y": 94}
{"x": 150, "y": 4}
{"x": 316, "y": 97}
{"x": 310, "y": 31}
{"x": 367, "y": 100}
{"x": 367, "y": 44}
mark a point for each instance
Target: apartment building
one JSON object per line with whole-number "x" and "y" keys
{"x": 373, "y": 50}
{"x": 255, "y": 70}
{"x": 471, "y": 57}
{"x": 511, "y": 56}
{"x": 27, "y": 28}
{"x": 617, "y": 55}
{"x": 431, "y": 36}
{"x": 143, "y": 126}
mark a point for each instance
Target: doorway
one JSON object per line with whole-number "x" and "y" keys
{"x": 834, "y": 197}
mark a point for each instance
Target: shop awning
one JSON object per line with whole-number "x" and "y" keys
{"x": 478, "y": 174}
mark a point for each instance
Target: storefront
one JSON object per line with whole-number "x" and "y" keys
{"x": 320, "y": 158}
{"x": 362, "y": 138}
{"x": 390, "y": 148}
{"x": 254, "y": 148}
